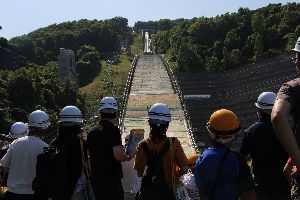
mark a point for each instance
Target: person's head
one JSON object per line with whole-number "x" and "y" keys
{"x": 108, "y": 108}
{"x": 70, "y": 121}
{"x": 18, "y": 129}
{"x": 38, "y": 122}
{"x": 159, "y": 117}
{"x": 264, "y": 103}
{"x": 296, "y": 59}
{"x": 223, "y": 126}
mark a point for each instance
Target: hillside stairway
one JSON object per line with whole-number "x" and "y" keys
{"x": 151, "y": 84}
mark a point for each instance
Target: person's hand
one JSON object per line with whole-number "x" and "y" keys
{"x": 295, "y": 172}
{"x": 129, "y": 157}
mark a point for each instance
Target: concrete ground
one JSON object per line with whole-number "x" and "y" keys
{"x": 151, "y": 85}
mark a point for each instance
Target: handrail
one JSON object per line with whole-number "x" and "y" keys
{"x": 177, "y": 90}
{"x": 123, "y": 105}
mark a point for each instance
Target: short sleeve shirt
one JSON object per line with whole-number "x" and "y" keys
{"x": 234, "y": 177}
{"x": 22, "y": 154}
{"x": 290, "y": 92}
{"x": 100, "y": 142}
{"x": 179, "y": 159}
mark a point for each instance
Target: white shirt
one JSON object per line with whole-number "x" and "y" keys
{"x": 21, "y": 160}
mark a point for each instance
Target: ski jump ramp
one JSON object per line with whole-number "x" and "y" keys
{"x": 151, "y": 84}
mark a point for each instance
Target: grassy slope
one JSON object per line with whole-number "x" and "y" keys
{"x": 138, "y": 45}
{"x": 113, "y": 76}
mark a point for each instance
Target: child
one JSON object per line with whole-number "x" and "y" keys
{"x": 189, "y": 179}
{"x": 220, "y": 173}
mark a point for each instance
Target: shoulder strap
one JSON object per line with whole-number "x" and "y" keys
{"x": 219, "y": 169}
{"x": 146, "y": 149}
{"x": 161, "y": 154}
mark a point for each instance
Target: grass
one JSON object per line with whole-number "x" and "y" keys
{"x": 138, "y": 44}
{"x": 110, "y": 82}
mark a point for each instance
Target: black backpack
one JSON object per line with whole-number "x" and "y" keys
{"x": 153, "y": 184}
{"x": 51, "y": 175}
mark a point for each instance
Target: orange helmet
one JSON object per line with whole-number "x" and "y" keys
{"x": 192, "y": 159}
{"x": 223, "y": 125}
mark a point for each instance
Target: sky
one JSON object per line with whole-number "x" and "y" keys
{"x": 18, "y": 17}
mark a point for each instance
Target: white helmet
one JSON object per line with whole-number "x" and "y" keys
{"x": 297, "y": 45}
{"x": 159, "y": 113}
{"x": 71, "y": 114}
{"x": 108, "y": 105}
{"x": 18, "y": 129}
{"x": 38, "y": 119}
{"x": 265, "y": 100}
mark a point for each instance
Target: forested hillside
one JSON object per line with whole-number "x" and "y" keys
{"x": 29, "y": 68}
{"x": 228, "y": 40}
{"x": 42, "y": 45}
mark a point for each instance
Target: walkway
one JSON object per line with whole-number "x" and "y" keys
{"x": 150, "y": 85}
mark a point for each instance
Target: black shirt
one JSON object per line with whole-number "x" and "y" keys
{"x": 73, "y": 157}
{"x": 105, "y": 168}
{"x": 268, "y": 157}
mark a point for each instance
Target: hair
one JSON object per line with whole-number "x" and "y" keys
{"x": 108, "y": 115}
{"x": 264, "y": 113}
{"x": 36, "y": 131}
{"x": 158, "y": 132}
{"x": 66, "y": 131}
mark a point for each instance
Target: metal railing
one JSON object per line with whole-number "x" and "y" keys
{"x": 177, "y": 90}
{"x": 126, "y": 93}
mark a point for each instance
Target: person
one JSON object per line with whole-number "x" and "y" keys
{"x": 160, "y": 154}
{"x": 18, "y": 129}
{"x": 189, "y": 178}
{"x": 287, "y": 104}
{"x": 267, "y": 154}
{"x": 21, "y": 158}
{"x": 220, "y": 173}
{"x": 69, "y": 134}
{"x": 106, "y": 153}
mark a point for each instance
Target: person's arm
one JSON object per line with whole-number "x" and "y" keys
{"x": 180, "y": 158}
{"x": 5, "y": 161}
{"x": 140, "y": 161}
{"x": 246, "y": 182}
{"x": 120, "y": 155}
{"x": 117, "y": 147}
{"x": 279, "y": 118}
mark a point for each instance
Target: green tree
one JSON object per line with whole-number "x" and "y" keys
{"x": 258, "y": 23}
{"x": 232, "y": 40}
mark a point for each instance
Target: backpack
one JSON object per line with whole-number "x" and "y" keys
{"x": 51, "y": 175}
{"x": 153, "y": 184}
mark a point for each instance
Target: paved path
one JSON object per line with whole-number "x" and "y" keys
{"x": 150, "y": 85}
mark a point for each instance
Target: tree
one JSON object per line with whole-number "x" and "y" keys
{"x": 21, "y": 89}
{"x": 258, "y": 22}
{"x": 231, "y": 59}
{"x": 213, "y": 63}
{"x": 186, "y": 58}
{"x": 202, "y": 31}
{"x": 232, "y": 40}
{"x": 88, "y": 65}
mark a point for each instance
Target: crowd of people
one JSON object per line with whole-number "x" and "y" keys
{"x": 74, "y": 168}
